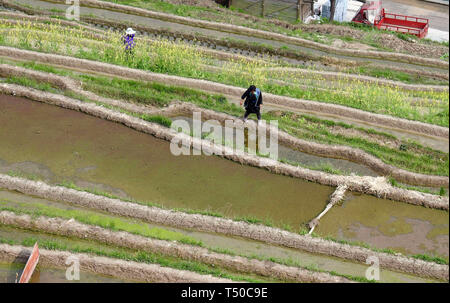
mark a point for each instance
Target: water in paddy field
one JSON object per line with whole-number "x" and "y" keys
{"x": 56, "y": 144}
{"x": 238, "y": 245}
{"x": 387, "y": 224}
{"x": 296, "y": 156}
{"x": 64, "y": 145}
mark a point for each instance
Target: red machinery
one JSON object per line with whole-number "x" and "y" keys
{"x": 373, "y": 14}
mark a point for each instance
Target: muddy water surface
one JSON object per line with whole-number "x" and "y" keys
{"x": 290, "y": 154}
{"x": 237, "y": 245}
{"x": 387, "y": 224}
{"x": 63, "y": 145}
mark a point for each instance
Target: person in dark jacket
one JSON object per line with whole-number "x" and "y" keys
{"x": 253, "y": 102}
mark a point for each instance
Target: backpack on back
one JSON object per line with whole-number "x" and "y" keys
{"x": 257, "y": 93}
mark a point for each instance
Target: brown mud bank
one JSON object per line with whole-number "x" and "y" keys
{"x": 127, "y": 270}
{"x": 222, "y": 27}
{"x": 224, "y": 226}
{"x": 334, "y": 109}
{"x": 71, "y": 228}
{"x": 369, "y": 185}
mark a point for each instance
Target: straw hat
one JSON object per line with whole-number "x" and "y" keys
{"x": 130, "y": 31}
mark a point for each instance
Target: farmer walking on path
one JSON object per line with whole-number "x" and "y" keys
{"x": 253, "y": 102}
{"x": 128, "y": 41}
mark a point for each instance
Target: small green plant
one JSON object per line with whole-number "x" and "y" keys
{"x": 427, "y": 258}
{"x": 164, "y": 121}
{"x": 393, "y": 181}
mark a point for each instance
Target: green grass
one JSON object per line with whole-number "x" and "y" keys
{"x": 164, "y": 121}
{"x": 165, "y": 58}
{"x": 431, "y": 259}
{"x": 441, "y": 192}
{"x": 151, "y": 93}
{"x": 414, "y": 158}
{"x": 102, "y": 220}
{"x": 396, "y": 75}
{"x": 43, "y": 68}
{"x": 226, "y": 16}
{"x": 31, "y": 83}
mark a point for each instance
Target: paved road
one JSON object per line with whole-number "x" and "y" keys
{"x": 437, "y": 13}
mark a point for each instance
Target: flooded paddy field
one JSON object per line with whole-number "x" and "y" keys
{"x": 293, "y": 155}
{"x": 387, "y": 224}
{"x": 109, "y": 157}
{"x": 245, "y": 247}
{"x": 93, "y": 248}
{"x": 105, "y": 156}
{"x": 116, "y": 197}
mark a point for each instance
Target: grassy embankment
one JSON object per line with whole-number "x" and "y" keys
{"x": 184, "y": 60}
{"x": 234, "y": 16}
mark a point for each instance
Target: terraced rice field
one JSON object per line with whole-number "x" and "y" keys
{"x": 87, "y": 168}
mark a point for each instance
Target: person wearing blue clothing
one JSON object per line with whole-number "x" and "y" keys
{"x": 253, "y": 102}
{"x": 128, "y": 40}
